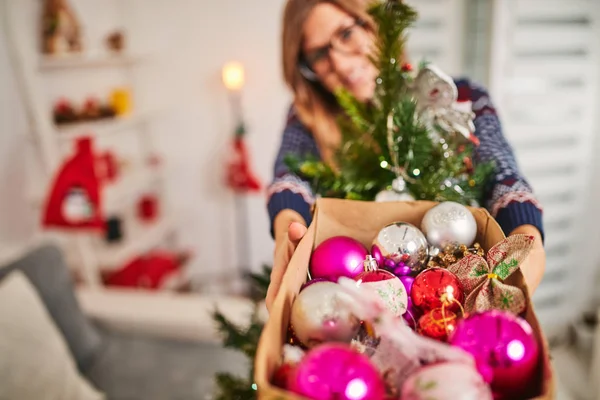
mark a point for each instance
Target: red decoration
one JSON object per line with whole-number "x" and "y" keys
{"x": 437, "y": 287}
{"x": 407, "y": 67}
{"x": 109, "y": 166}
{"x": 64, "y": 112}
{"x": 468, "y": 164}
{"x": 375, "y": 276}
{"x": 372, "y": 273}
{"x": 240, "y": 177}
{"x": 148, "y": 208}
{"x": 437, "y": 324}
{"x": 91, "y": 108}
{"x": 74, "y": 200}
{"x": 282, "y": 376}
{"x": 149, "y": 271}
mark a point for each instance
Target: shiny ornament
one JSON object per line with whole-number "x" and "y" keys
{"x": 449, "y": 224}
{"x": 483, "y": 278}
{"x": 436, "y": 288}
{"x": 437, "y": 95}
{"x": 400, "y": 351}
{"x": 402, "y": 270}
{"x": 412, "y": 314}
{"x": 437, "y": 324}
{"x": 282, "y": 375}
{"x": 446, "y": 381}
{"x": 337, "y": 256}
{"x": 334, "y": 371}
{"x": 402, "y": 242}
{"x": 398, "y": 192}
{"x": 292, "y": 355}
{"x": 387, "y": 285}
{"x": 318, "y": 316}
{"x": 504, "y": 347}
{"x": 392, "y": 195}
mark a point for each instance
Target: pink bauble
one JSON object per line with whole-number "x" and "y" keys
{"x": 334, "y": 371}
{"x": 446, "y": 381}
{"x": 338, "y": 256}
{"x": 504, "y": 347}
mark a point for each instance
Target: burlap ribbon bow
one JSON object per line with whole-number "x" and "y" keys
{"x": 483, "y": 279}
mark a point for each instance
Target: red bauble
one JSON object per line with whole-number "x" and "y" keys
{"x": 437, "y": 287}
{"x": 437, "y": 324}
{"x": 282, "y": 375}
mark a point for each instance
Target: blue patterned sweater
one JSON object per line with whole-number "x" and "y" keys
{"x": 510, "y": 200}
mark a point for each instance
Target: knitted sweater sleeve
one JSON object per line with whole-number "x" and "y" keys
{"x": 287, "y": 190}
{"x": 510, "y": 198}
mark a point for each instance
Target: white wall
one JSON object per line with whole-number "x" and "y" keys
{"x": 202, "y": 36}
{"x": 17, "y": 224}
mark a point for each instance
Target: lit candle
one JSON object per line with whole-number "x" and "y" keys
{"x": 233, "y": 76}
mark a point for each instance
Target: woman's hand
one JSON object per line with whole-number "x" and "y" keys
{"x": 535, "y": 264}
{"x": 289, "y": 229}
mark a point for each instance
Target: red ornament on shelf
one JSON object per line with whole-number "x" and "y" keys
{"x": 436, "y": 288}
{"x": 407, "y": 67}
{"x": 240, "y": 176}
{"x": 148, "y": 208}
{"x": 74, "y": 200}
{"x": 437, "y": 324}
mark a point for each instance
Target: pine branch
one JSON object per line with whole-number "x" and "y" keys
{"x": 231, "y": 387}
{"x": 259, "y": 283}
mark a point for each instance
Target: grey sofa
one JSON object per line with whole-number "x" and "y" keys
{"x": 123, "y": 366}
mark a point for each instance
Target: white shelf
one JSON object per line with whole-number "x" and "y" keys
{"x": 137, "y": 241}
{"x": 165, "y": 314}
{"x": 86, "y": 60}
{"x": 99, "y": 127}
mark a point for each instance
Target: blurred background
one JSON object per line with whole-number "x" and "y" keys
{"x": 157, "y": 90}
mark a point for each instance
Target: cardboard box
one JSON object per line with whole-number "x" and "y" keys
{"x": 362, "y": 221}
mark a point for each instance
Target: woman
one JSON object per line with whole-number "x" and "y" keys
{"x": 325, "y": 47}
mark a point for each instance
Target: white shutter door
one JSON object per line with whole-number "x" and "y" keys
{"x": 544, "y": 70}
{"x": 438, "y": 34}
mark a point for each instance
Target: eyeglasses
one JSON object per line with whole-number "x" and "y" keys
{"x": 347, "y": 40}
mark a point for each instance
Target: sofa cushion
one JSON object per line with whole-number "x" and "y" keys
{"x": 35, "y": 362}
{"x": 47, "y": 271}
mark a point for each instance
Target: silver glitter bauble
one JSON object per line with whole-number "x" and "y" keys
{"x": 318, "y": 316}
{"x": 449, "y": 224}
{"x": 403, "y": 243}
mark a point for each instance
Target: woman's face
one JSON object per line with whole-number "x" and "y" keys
{"x": 336, "y": 49}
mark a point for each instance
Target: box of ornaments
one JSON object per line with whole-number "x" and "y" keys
{"x": 404, "y": 300}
